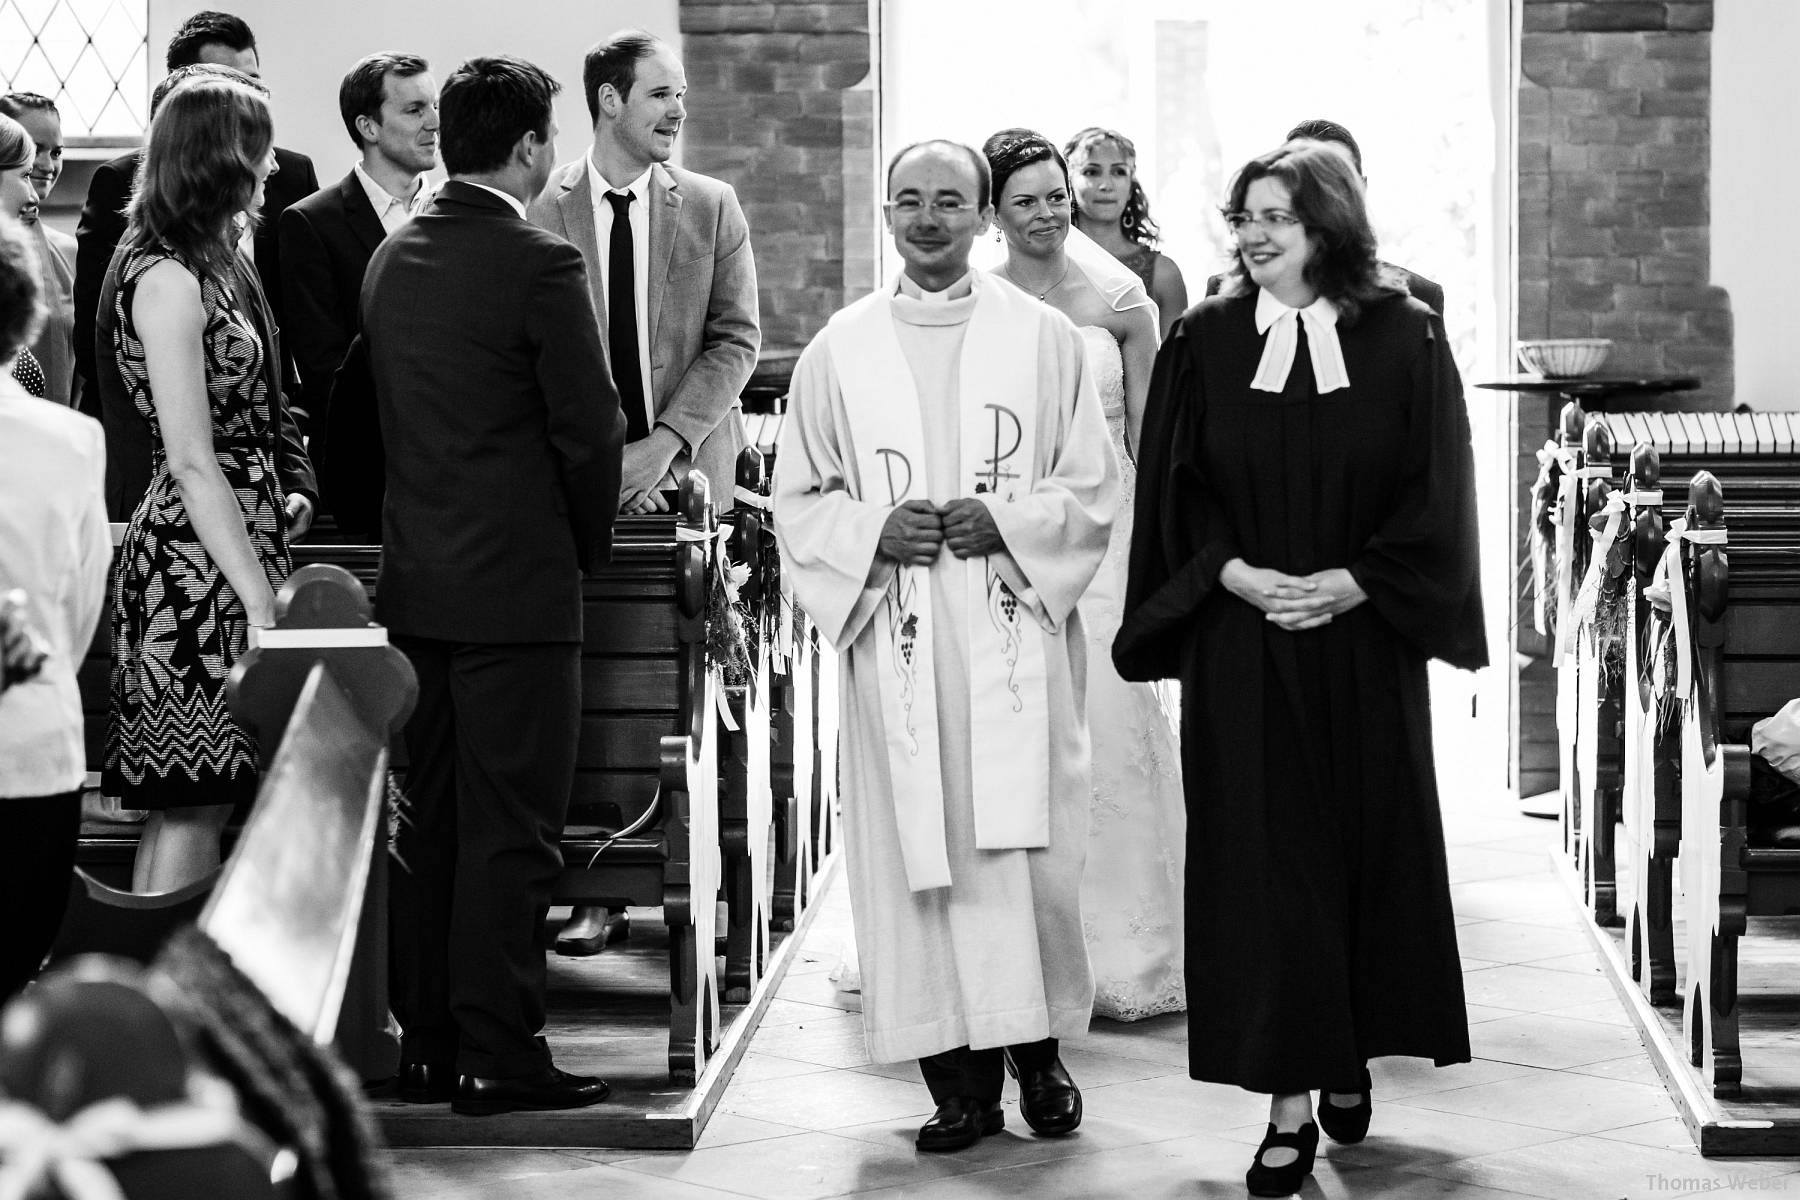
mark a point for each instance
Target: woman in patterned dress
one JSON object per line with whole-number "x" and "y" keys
{"x": 1111, "y": 208}
{"x": 206, "y": 547}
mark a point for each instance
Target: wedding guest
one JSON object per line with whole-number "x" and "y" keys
{"x": 681, "y": 364}
{"x": 503, "y": 437}
{"x": 389, "y": 105}
{"x": 54, "y": 549}
{"x": 945, "y": 569}
{"x": 1112, "y": 208}
{"x": 54, "y": 348}
{"x": 1131, "y": 888}
{"x": 1304, "y": 544}
{"x": 129, "y": 461}
{"x": 206, "y": 547}
{"x": 216, "y": 38}
{"x": 1330, "y": 133}
{"x": 17, "y": 196}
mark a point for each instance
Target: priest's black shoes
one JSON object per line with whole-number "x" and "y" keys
{"x": 1048, "y": 1099}
{"x": 425, "y": 1082}
{"x": 959, "y": 1123}
{"x": 548, "y": 1089}
{"x": 1265, "y": 1179}
{"x": 1347, "y": 1124}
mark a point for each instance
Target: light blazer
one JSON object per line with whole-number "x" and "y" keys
{"x": 701, "y": 302}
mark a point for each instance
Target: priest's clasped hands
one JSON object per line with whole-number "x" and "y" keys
{"x": 918, "y": 530}
{"x": 1293, "y": 602}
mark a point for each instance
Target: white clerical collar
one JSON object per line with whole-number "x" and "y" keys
{"x": 380, "y": 199}
{"x": 512, "y": 201}
{"x": 639, "y": 187}
{"x": 1281, "y": 323}
{"x": 956, "y": 291}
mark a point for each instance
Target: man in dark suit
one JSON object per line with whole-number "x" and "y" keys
{"x": 205, "y": 38}
{"x": 389, "y": 103}
{"x": 1318, "y": 129}
{"x": 128, "y": 442}
{"x": 503, "y": 438}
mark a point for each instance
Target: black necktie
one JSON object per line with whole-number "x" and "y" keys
{"x": 621, "y": 320}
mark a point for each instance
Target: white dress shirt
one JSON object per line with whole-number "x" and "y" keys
{"x": 390, "y": 210}
{"x": 55, "y": 545}
{"x": 640, "y": 261}
{"x": 512, "y": 201}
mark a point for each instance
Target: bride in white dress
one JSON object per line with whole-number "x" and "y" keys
{"x": 1131, "y": 892}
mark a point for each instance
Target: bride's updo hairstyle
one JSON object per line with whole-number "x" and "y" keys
{"x": 199, "y": 172}
{"x": 1012, "y": 150}
{"x": 1134, "y": 221}
{"x": 1327, "y": 196}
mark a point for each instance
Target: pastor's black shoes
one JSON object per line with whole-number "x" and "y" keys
{"x": 1347, "y": 1124}
{"x": 1284, "y": 1180}
{"x": 548, "y": 1089}
{"x": 1048, "y": 1099}
{"x": 425, "y": 1082}
{"x": 959, "y": 1123}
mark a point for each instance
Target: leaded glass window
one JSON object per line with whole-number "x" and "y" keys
{"x": 90, "y": 56}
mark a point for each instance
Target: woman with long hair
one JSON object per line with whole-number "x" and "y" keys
{"x": 1111, "y": 208}
{"x": 1131, "y": 887}
{"x": 1304, "y": 545}
{"x": 207, "y": 546}
{"x": 18, "y": 199}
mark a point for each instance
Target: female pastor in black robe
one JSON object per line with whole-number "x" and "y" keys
{"x": 1319, "y": 926}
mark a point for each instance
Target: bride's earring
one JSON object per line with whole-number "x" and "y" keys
{"x": 998, "y": 236}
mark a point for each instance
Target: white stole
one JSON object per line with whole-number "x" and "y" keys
{"x": 1008, "y": 696}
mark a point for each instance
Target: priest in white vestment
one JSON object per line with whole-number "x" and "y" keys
{"x": 944, "y": 491}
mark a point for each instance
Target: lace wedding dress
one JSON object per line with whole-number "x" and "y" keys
{"x": 1131, "y": 891}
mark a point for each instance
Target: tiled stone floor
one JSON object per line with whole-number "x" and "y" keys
{"x": 1560, "y": 1101}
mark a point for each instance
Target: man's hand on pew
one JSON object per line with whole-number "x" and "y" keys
{"x": 299, "y": 515}
{"x": 644, "y": 468}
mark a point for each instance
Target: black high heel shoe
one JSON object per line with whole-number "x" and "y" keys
{"x": 1265, "y": 1180}
{"x": 1347, "y": 1126}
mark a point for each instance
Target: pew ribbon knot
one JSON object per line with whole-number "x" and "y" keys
{"x": 35, "y": 1150}
{"x": 1668, "y": 590}
{"x": 1589, "y": 597}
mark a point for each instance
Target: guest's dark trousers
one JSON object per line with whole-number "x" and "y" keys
{"x": 980, "y": 1074}
{"x": 490, "y": 761}
{"x": 37, "y": 855}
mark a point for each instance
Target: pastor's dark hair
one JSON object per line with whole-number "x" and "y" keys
{"x": 614, "y": 62}
{"x": 486, "y": 106}
{"x": 205, "y": 29}
{"x": 1327, "y": 197}
{"x": 361, "y": 93}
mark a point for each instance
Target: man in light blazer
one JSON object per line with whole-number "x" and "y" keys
{"x": 693, "y": 319}
{"x": 674, "y": 290}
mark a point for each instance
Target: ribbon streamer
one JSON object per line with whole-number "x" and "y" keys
{"x": 1667, "y": 584}
{"x": 36, "y": 1151}
{"x": 1589, "y": 596}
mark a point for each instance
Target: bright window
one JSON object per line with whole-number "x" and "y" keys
{"x": 90, "y": 56}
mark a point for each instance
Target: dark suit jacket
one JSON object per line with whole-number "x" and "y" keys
{"x": 128, "y": 441}
{"x": 1421, "y": 287}
{"x": 501, "y": 423}
{"x": 103, "y": 224}
{"x": 326, "y": 240}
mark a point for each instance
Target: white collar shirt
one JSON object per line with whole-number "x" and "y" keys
{"x": 512, "y": 202}
{"x": 1281, "y": 323}
{"x": 639, "y": 211}
{"x": 390, "y": 210}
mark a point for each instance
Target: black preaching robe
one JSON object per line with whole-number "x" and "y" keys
{"x": 1319, "y": 927}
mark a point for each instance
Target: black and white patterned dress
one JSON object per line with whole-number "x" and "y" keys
{"x": 177, "y": 624}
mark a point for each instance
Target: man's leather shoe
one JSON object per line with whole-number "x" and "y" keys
{"x": 591, "y": 930}
{"x": 425, "y": 1082}
{"x": 959, "y": 1123}
{"x": 1048, "y": 1099}
{"x": 548, "y": 1089}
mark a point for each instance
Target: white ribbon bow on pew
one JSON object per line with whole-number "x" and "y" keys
{"x": 71, "y": 1156}
{"x": 1588, "y": 599}
{"x": 1667, "y": 589}
{"x": 733, "y": 577}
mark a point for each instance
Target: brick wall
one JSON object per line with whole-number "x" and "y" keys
{"x": 782, "y": 106}
{"x": 1614, "y": 129}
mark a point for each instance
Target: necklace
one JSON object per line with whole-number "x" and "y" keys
{"x": 1040, "y": 295}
